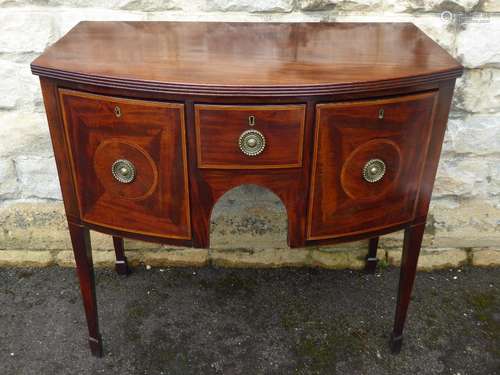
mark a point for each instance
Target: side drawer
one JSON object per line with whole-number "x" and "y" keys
{"x": 367, "y": 164}
{"x": 129, "y": 163}
{"x": 249, "y": 137}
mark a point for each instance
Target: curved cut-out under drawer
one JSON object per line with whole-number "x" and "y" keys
{"x": 368, "y": 162}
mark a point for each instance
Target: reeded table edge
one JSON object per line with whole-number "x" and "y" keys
{"x": 223, "y": 90}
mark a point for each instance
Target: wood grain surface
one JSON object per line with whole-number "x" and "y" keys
{"x": 218, "y": 128}
{"x": 266, "y": 59}
{"x": 151, "y": 135}
{"x": 348, "y": 135}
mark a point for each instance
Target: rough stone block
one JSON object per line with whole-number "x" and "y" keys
{"x": 262, "y": 258}
{"x": 316, "y": 5}
{"x": 479, "y": 91}
{"x": 406, "y": 6}
{"x": 24, "y": 258}
{"x": 139, "y": 5}
{"x": 474, "y": 134}
{"x": 341, "y": 259}
{"x": 432, "y": 259}
{"x": 250, "y": 196}
{"x": 181, "y": 257}
{"x": 26, "y": 31}
{"x": 473, "y": 223}
{"x": 347, "y": 246}
{"x": 251, "y": 216}
{"x": 249, "y": 6}
{"x": 103, "y": 259}
{"x": 9, "y": 188}
{"x": 24, "y": 134}
{"x": 486, "y": 257}
{"x": 339, "y": 5}
{"x": 150, "y": 5}
{"x": 430, "y": 5}
{"x": 141, "y": 245}
{"x": 38, "y": 177}
{"x": 469, "y": 236}
{"x": 101, "y": 241}
{"x": 65, "y": 259}
{"x": 394, "y": 240}
{"x": 8, "y": 101}
{"x": 176, "y": 258}
{"x": 478, "y": 45}
{"x": 33, "y": 226}
{"x": 19, "y": 89}
{"x": 466, "y": 177}
{"x": 491, "y": 6}
{"x": 494, "y": 185}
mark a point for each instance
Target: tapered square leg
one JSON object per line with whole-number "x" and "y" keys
{"x": 121, "y": 264}
{"x": 371, "y": 258}
{"x": 96, "y": 346}
{"x": 80, "y": 239}
{"x": 411, "y": 250}
{"x": 396, "y": 343}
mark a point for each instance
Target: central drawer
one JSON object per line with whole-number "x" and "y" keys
{"x": 249, "y": 137}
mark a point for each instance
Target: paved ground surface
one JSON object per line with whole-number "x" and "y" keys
{"x": 222, "y": 321}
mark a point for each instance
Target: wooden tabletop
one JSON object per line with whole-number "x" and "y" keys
{"x": 246, "y": 58}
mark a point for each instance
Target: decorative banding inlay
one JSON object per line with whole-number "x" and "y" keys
{"x": 112, "y": 157}
{"x": 371, "y": 169}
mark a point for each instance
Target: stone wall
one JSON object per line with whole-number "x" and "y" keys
{"x": 463, "y": 225}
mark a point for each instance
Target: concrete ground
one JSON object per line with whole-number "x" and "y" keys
{"x": 273, "y": 321}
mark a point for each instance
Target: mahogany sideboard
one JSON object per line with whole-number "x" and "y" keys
{"x": 152, "y": 122}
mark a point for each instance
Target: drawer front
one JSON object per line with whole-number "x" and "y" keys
{"x": 368, "y": 163}
{"x": 129, "y": 163}
{"x": 249, "y": 137}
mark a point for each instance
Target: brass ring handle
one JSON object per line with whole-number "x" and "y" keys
{"x": 123, "y": 171}
{"x": 252, "y": 142}
{"x": 374, "y": 170}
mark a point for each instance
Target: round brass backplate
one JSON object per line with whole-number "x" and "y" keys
{"x": 252, "y": 142}
{"x": 123, "y": 171}
{"x": 374, "y": 170}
